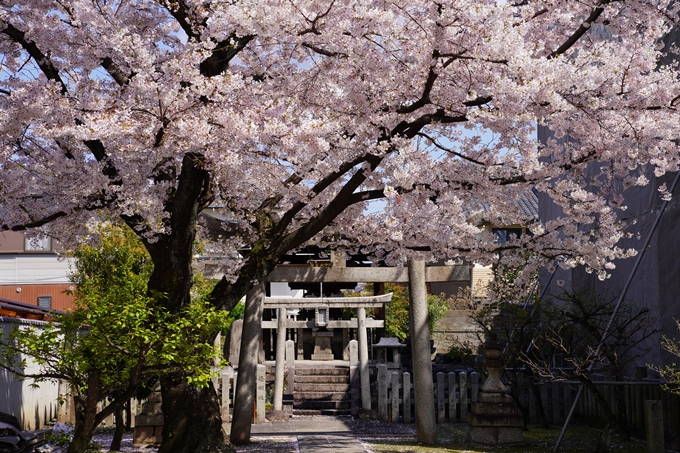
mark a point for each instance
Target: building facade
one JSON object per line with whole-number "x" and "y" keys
{"x": 33, "y": 273}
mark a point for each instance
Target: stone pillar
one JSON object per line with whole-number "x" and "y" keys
{"x": 406, "y": 393}
{"x": 654, "y": 426}
{"x": 261, "y": 394}
{"x": 363, "y": 359}
{"x": 244, "y": 398}
{"x": 277, "y": 413}
{"x": 382, "y": 392}
{"x": 394, "y": 400}
{"x": 227, "y": 375}
{"x": 421, "y": 353}
{"x": 354, "y": 378}
{"x": 494, "y": 419}
{"x": 441, "y": 405}
{"x": 290, "y": 380}
{"x": 290, "y": 353}
{"x": 463, "y": 395}
{"x": 453, "y": 388}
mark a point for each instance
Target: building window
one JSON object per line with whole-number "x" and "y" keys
{"x": 503, "y": 235}
{"x": 38, "y": 244}
{"x": 45, "y": 302}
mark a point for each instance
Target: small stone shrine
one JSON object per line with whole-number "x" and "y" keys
{"x": 494, "y": 419}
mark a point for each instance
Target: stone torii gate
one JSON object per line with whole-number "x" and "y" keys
{"x": 252, "y": 328}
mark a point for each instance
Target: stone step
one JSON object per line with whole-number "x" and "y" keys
{"x": 322, "y": 412}
{"x": 320, "y": 396}
{"x": 322, "y": 371}
{"x": 327, "y": 388}
{"x": 319, "y": 405}
{"x": 328, "y": 379}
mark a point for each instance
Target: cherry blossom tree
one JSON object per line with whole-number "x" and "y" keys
{"x": 294, "y": 116}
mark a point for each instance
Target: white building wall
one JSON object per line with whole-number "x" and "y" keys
{"x": 33, "y": 406}
{"x": 34, "y": 269}
{"x": 281, "y": 289}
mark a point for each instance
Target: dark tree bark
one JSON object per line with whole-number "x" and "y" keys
{"x": 538, "y": 401}
{"x": 86, "y": 415}
{"x": 120, "y": 430}
{"x": 192, "y": 418}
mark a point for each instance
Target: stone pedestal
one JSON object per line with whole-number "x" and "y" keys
{"x": 494, "y": 419}
{"x": 149, "y": 424}
{"x": 322, "y": 345}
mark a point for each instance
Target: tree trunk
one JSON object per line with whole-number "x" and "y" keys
{"x": 538, "y": 401}
{"x": 128, "y": 415}
{"x": 244, "y": 397}
{"x": 120, "y": 430}
{"x": 86, "y": 415}
{"x": 192, "y": 421}
{"x": 191, "y": 415}
{"x": 609, "y": 416}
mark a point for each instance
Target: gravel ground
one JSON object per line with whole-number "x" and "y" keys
{"x": 273, "y": 444}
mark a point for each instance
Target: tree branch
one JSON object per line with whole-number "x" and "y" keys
{"x": 114, "y": 71}
{"x": 366, "y": 195}
{"x": 573, "y": 39}
{"x": 425, "y": 97}
{"x": 42, "y": 60}
{"x": 319, "y": 187}
{"x": 223, "y": 53}
{"x": 330, "y": 212}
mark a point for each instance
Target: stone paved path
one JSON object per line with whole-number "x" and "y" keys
{"x": 331, "y": 434}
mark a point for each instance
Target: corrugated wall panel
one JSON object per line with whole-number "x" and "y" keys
{"x": 39, "y": 269}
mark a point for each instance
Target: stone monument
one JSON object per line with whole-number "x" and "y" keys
{"x": 149, "y": 424}
{"x": 494, "y": 419}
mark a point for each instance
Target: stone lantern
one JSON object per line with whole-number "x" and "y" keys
{"x": 494, "y": 419}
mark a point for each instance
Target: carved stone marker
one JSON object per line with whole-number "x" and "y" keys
{"x": 654, "y": 426}
{"x": 494, "y": 419}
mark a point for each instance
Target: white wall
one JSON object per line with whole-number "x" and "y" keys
{"x": 36, "y": 269}
{"x": 34, "y": 407}
{"x": 281, "y": 289}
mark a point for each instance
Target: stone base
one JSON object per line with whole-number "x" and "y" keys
{"x": 147, "y": 436}
{"x": 495, "y": 424}
{"x": 322, "y": 346}
{"x": 278, "y": 416}
{"x": 495, "y": 435}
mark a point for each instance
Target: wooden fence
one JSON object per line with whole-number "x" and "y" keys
{"x": 454, "y": 392}
{"x": 558, "y": 397}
